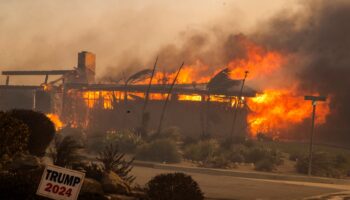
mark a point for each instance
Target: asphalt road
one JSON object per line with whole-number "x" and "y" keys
{"x": 229, "y": 187}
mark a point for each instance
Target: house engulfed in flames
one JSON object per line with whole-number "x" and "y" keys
{"x": 76, "y": 99}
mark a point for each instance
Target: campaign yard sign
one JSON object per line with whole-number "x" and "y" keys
{"x": 60, "y": 183}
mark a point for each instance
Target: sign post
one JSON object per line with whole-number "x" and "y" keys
{"x": 60, "y": 183}
{"x": 314, "y": 100}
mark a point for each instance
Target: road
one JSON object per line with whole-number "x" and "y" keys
{"x": 229, "y": 187}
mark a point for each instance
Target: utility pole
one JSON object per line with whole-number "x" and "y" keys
{"x": 167, "y": 100}
{"x": 145, "y": 117}
{"x": 314, "y": 100}
{"x": 236, "y": 105}
{"x": 149, "y": 87}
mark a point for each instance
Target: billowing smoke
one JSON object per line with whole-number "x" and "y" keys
{"x": 128, "y": 36}
{"x": 316, "y": 40}
{"x": 318, "y": 37}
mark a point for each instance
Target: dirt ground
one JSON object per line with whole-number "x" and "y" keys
{"x": 228, "y": 187}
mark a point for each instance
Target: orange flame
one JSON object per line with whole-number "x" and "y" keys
{"x": 278, "y": 109}
{"x": 55, "y": 120}
{"x": 274, "y": 110}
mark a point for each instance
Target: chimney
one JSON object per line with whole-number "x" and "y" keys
{"x": 86, "y": 67}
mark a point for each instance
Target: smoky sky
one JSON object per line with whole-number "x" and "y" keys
{"x": 319, "y": 38}
{"x": 125, "y": 35}
{"x": 128, "y": 35}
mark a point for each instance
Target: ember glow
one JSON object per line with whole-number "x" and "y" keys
{"x": 55, "y": 120}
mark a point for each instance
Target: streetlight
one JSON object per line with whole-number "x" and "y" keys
{"x": 314, "y": 100}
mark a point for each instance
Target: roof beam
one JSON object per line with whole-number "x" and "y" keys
{"x": 40, "y": 72}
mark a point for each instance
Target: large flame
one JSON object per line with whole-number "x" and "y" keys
{"x": 275, "y": 109}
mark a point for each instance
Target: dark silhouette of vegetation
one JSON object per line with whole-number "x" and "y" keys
{"x": 41, "y": 130}
{"x": 64, "y": 152}
{"x": 162, "y": 150}
{"x": 14, "y": 135}
{"x": 324, "y": 164}
{"x": 113, "y": 160}
{"x": 20, "y": 185}
{"x": 175, "y": 186}
{"x": 209, "y": 153}
{"x": 265, "y": 165}
{"x": 94, "y": 171}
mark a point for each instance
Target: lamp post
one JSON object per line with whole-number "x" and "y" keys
{"x": 314, "y": 100}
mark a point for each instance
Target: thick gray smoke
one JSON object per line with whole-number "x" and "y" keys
{"x": 128, "y": 35}
{"x": 316, "y": 39}
{"x": 318, "y": 36}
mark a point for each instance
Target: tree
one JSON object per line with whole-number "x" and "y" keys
{"x": 13, "y": 135}
{"x": 41, "y": 129}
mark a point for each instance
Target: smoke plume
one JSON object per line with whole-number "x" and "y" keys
{"x": 317, "y": 36}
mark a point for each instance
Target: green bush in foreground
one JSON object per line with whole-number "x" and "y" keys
{"x": 174, "y": 186}
{"x": 163, "y": 150}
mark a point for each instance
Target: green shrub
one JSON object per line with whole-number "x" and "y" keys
{"x": 256, "y": 154}
{"x": 323, "y": 164}
{"x": 14, "y": 135}
{"x": 126, "y": 140}
{"x": 263, "y": 158}
{"x": 174, "y": 186}
{"x": 162, "y": 150}
{"x": 237, "y": 153}
{"x": 41, "y": 129}
{"x": 202, "y": 150}
{"x": 265, "y": 165}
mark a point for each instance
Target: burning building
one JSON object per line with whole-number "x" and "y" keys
{"x": 76, "y": 99}
{"x": 205, "y": 100}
